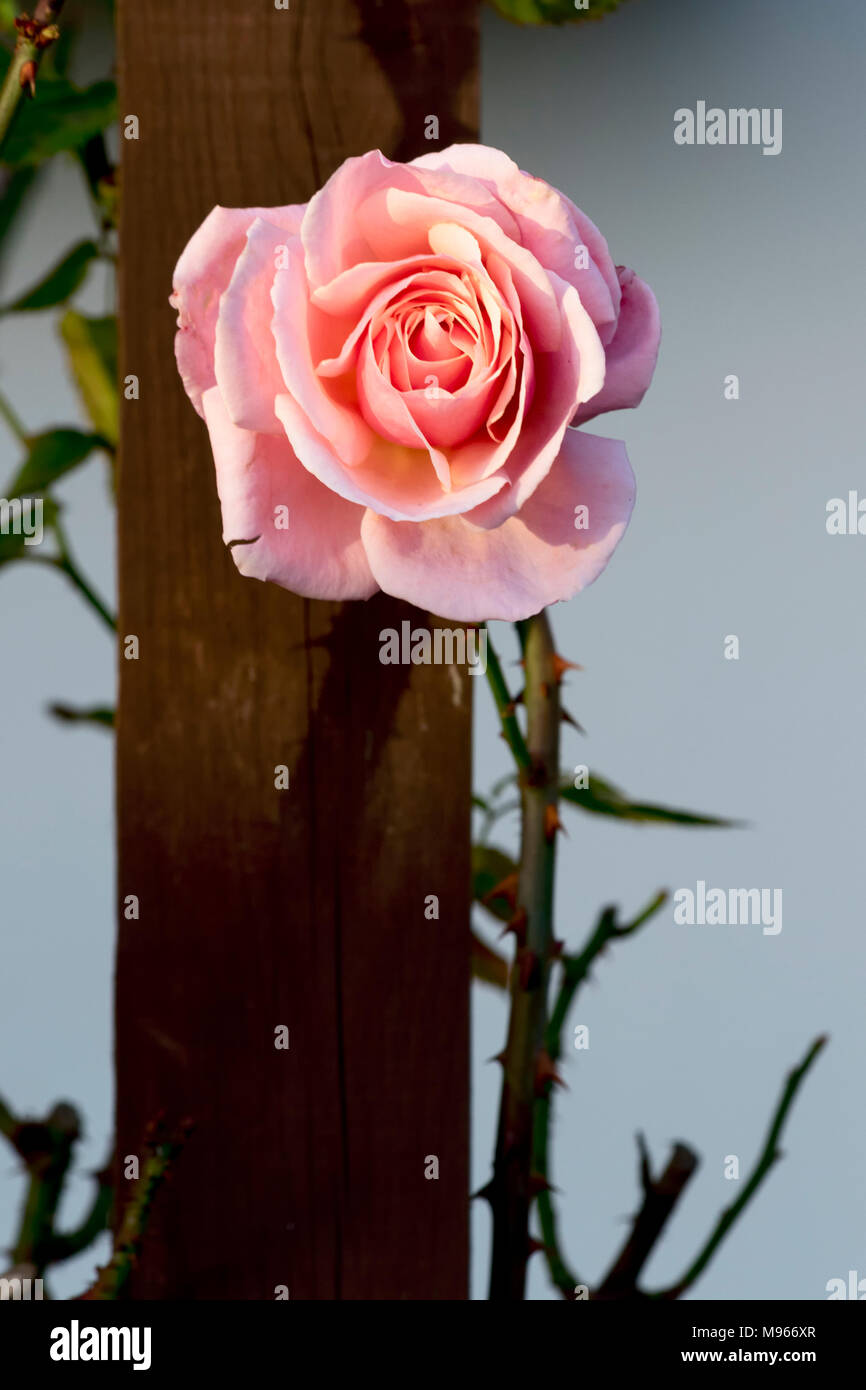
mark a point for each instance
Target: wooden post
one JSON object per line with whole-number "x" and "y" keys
{"x": 260, "y": 908}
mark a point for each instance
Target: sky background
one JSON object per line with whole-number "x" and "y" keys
{"x": 753, "y": 260}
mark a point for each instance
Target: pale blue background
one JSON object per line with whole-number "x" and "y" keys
{"x": 757, "y": 265}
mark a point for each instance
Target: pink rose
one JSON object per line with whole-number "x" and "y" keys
{"x": 389, "y": 374}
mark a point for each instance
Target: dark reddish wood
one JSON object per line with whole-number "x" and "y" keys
{"x": 259, "y": 907}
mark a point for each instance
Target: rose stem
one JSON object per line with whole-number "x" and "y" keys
{"x": 510, "y": 1191}
{"x": 26, "y": 52}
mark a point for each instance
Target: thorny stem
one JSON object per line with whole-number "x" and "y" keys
{"x": 45, "y": 1148}
{"x": 769, "y": 1155}
{"x": 21, "y": 72}
{"x": 575, "y": 970}
{"x": 511, "y": 1188}
{"x": 163, "y": 1149}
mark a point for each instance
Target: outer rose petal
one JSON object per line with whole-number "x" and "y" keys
{"x": 320, "y": 555}
{"x": 536, "y": 558}
{"x": 631, "y": 355}
{"x": 245, "y": 355}
{"x": 204, "y": 270}
{"x": 332, "y": 236}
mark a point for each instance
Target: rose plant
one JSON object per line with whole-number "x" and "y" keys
{"x": 403, "y": 363}
{"x": 401, "y": 369}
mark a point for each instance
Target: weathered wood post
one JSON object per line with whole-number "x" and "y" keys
{"x": 257, "y": 907}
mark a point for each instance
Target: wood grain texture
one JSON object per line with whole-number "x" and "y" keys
{"x": 258, "y": 907}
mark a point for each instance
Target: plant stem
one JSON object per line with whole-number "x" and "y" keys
{"x": 162, "y": 1149}
{"x": 575, "y": 970}
{"x": 505, "y": 707}
{"x": 7, "y": 413}
{"x": 511, "y": 1190}
{"x": 66, "y": 564}
{"x": 770, "y": 1154}
{"x": 26, "y": 51}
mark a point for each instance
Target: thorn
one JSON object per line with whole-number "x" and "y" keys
{"x": 517, "y": 925}
{"x": 27, "y": 76}
{"x": 552, "y": 823}
{"x": 507, "y": 889}
{"x": 538, "y": 1183}
{"x": 556, "y": 949}
{"x": 570, "y": 719}
{"x": 534, "y": 1246}
{"x": 560, "y": 666}
{"x": 546, "y": 1074}
{"x": 485, "y": 1192}
{"x": 499, "y": 1057}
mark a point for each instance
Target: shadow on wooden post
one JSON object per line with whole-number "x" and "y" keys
{"x": 260, "y": 908}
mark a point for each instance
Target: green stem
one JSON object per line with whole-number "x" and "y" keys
{"x": 46, "y": 1149}
{"x": 163, "y": 1149}
{"x": 505, "y": 707}
{"x": 26, "y": 51}
{"x": 66, "y": 564}
{"x": 511, "y": 1189}
{"x": 575, "y": 970}
{"x": 769, "y": 1155}
{"x": 8, "y": 414}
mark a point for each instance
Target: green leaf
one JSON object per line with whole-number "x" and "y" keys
{"x": 91, "y": 346}
{"x": 60, "y": 117}
{"x": 490, "y": 866}
{"x": 486, "y": 964}
{"x": 51, "y": 455}
{"x": 60, "y": 282}
{"x": 101, "y": 715}
{"x": 13, "y": 546}
{"x": 554, "y": 11}
{"x": 601, "y": 798}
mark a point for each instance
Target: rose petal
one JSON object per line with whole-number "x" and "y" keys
{"x": 320, "y": 555}
{"x": 632, "y": 353}
{"x": 296, "y": 326}
{"x": 247, "y": 370}
{"x": 551, "y": 227}
{"x": 202, "y": 273}
{"x": 333, "y": 238}
{"x": 451, "y": 568}
{"x": 400, "y": 483}
{"x": 575, "y": 372}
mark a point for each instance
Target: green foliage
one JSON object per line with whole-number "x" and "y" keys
{"x": 59, "y": 284}
{"x": 601, "y": 798}
{"x": 91, "y": 347}
{"x": 553, "y": 11}
{"x": 60, "y": 117}
{"x": 51, "y": 455}
{"x": 490, "y": 866}
{"x": 100, "y": 715}
{"x": 13, "y": 547}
